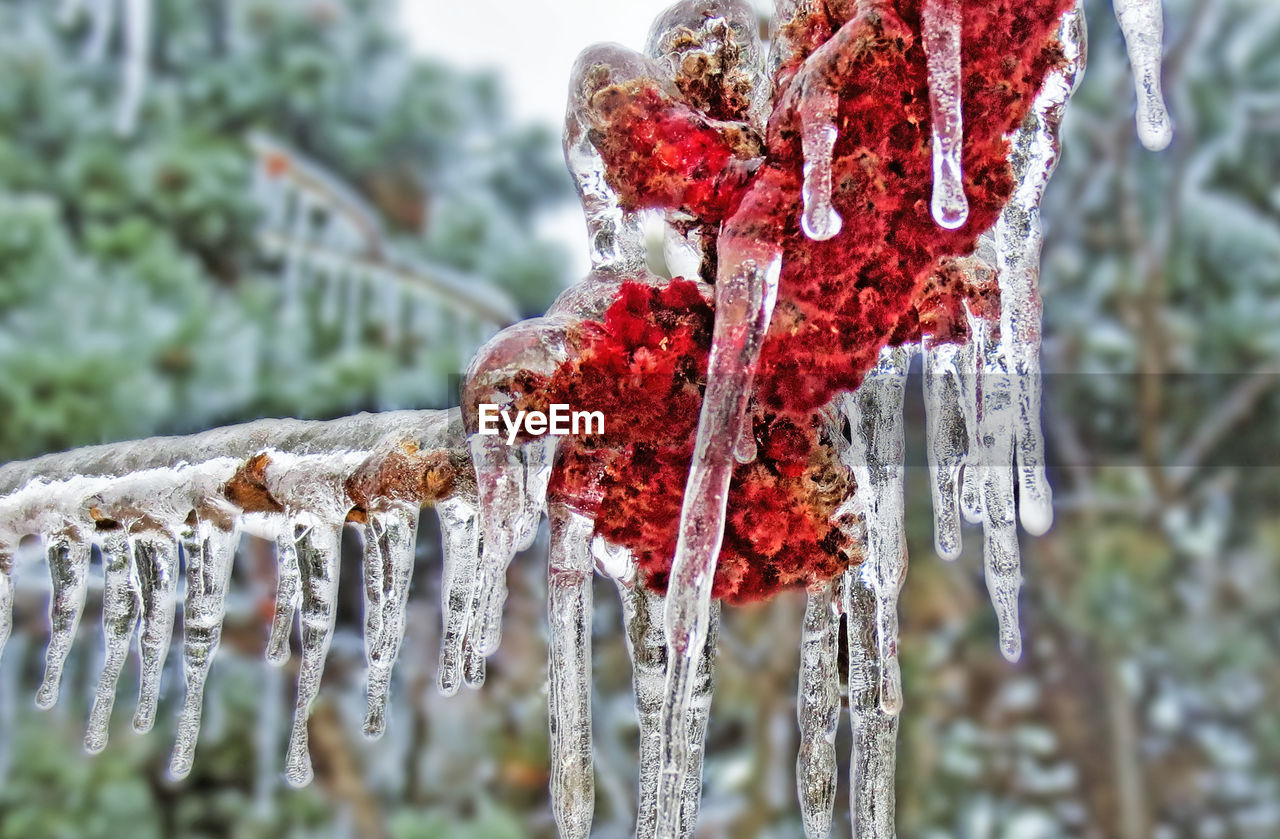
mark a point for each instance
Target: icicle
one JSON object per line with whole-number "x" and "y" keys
{"x": 209, "y": 550}
{"x": 539, "y": 458}
{"x": 319, "y": 546}
{"x": 156, "y": 564}
{"x": 1142, "y": 22}
{"x": 697, "y": 719}
{"x": 10, "y": 679}
{"x": 1018, "y": 240}
{"x": 6, "y": 597}
{"x": 569, "y": 578}
{"x": 389, "y": 540}
{"x": 137, "y": 48}
{"x": 940, "y": 22}
{"x": 68, "y": 555}
{"x": 818, "y": 710}
{"x": 745, "y": 294}
{"x": 642, "y": 612}
{"x": 947, "y": 439}
{"x": 990, "y": 469}
{"x": 288, "y": 594}
{"x": 818, "y": 111}
{"x": 459, "y": 529}
{"x": 876, "y": 458}
{"x": 875, "y": 733}
{"x": 121, "y": 602}
{"x": 1007, "y": 392}
{"x": 512, "y": 483}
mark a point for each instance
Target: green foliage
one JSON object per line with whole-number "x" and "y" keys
{"x": 132, "y": 294}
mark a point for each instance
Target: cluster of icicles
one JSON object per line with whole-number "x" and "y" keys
{"x": 155, "y": 506}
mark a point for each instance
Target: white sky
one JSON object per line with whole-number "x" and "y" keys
{"x": 531, "y": 44}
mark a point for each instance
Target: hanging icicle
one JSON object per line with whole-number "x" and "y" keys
{"x": 818, "y": 710}
{"x": 68, "y": 555}
{"x": 818, "y": 112}
{"x": 1142, "y": 23}
{"x": 702, "y": 94}
{"x": 569, "y": 572}
{"x": 940, "y": 21}
{"x": 155, "y": 555}
{"x": 747, "y": 285}
{"x": 319, "y": 545}
{"x": 875, "y": 732}
{"x": 876, "y": 457}
{"x": 209, "y": 547}
{"x": 121, "y": 602}
{"x": 389, "y": 538}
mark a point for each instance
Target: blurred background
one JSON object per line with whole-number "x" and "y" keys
{"x": 315, "y": 207}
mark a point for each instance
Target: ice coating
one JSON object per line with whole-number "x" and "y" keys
{"x": 818, "y": 710}
{"x": 1142, "y": 22}
{"x": 121, "y": 603}
{"x": 615, "y": 236}
{"x": 68, "y": 556}
{"x": 876, "y": 456}
{"x": 297, "y": 484}
{"x": 155, "y": 559}
{"x": 712, "y": 50}
{"x": 818, "y": 111}
{"x": 569, "y": 573}
{"x": 940, "y": 24}
{"x": 745, "y": 293}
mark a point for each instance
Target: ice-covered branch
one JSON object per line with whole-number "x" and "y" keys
{"x": 296, "y": 483}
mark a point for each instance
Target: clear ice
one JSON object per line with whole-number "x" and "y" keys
{"x": 940, "y": 21}
{"x": 984, "y": 445}
{"x": 1142, "y": 23}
